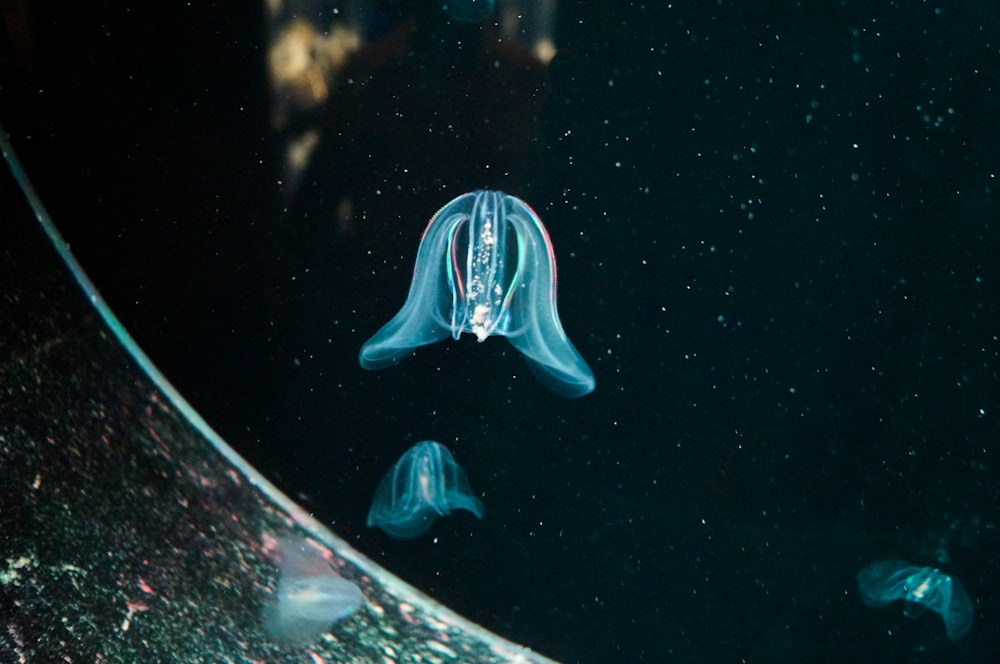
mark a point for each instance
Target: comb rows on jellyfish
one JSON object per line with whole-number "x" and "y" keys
{"x": 485, "y": 266}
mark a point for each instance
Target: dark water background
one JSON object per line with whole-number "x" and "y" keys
{"x": 776, "y": 228}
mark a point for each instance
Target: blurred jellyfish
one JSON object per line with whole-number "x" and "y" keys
{"x": 310, "y": 596}
{"x": 885, "y": 581}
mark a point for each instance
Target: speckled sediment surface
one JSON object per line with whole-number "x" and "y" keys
{"x": 126, "y": 535}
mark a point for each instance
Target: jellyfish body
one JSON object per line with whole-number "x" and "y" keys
{"x": 486, "y": 267}
{"x": 885, "y": 581}
{"x": 424, "y": 484}
{"x": 310, "y": 596}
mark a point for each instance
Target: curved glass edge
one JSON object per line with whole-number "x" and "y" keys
{"x": 413, "y": 605}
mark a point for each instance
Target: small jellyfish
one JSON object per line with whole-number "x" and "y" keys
{"x": 426, "y": 482}
{"x": 885, "y": 581}
{"x": 468, "y": 11}
{"x": 310, "y": 596}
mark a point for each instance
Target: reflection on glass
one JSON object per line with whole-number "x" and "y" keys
{"x": 485, "y": 266}
{"x": 425, "y": 483}
{"x": 885, "y": 581}
{"x": 468, "y": 11}
{"x": 310, "y": 596}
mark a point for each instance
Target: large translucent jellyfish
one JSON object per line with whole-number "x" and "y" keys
{"x": 485, "y": 266}
{"x": 310, "y": 596}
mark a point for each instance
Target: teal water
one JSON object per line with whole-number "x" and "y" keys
{"x": 776, "y": 236}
